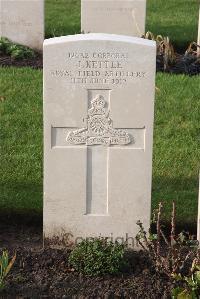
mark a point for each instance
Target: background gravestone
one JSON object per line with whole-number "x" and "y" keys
{"x": 22, "y": 21}
{"x": 98, "y": 133}
{"x": 125, "y": 17}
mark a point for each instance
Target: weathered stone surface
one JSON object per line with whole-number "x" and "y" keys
{"x": 22, "y": 21}
{"x": 98, "y": 133}
{"x": 125, "y": 17}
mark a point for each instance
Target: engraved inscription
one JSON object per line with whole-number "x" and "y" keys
{"x": 99, "y": 129}
{"x": 98, "y": 68}
{"x": 19, "y": 22}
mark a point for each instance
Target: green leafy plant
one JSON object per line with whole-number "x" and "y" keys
{"x": 98, "y": 257}
{"x": 21, "y": 52}
{"x": 5, "y": 267}
{"x": 190, "y": 284}
{"x": 4, "y": 45}
{"x": 14, "y": 50}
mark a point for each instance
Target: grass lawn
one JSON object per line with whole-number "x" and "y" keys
{"x": 177, "y": 19}
{"x": 176, "y": 142}
{"x": 21, "y": 140}
{"x": 176, "y": 160}
{"x": 62, "y": 17}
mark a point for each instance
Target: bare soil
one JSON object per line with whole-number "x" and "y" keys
{"x": 36, "y": 62}
{"x": 184, "y": 64}
{"x": 45, "y": 273}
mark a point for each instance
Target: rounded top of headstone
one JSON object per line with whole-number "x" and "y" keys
{"x": 99, "y": 37}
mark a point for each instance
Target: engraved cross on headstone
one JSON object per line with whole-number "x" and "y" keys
{"x": 98, "y": 135}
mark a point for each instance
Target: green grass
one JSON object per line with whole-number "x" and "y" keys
{"x": 177, "y": 19}
{"x": 21, "y": 140}
{"x": 176, "y": 142}
{"x": 62, "y": 17}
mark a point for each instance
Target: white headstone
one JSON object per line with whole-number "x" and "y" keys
{"x": 98, "y": 133}
{"x": 125, "y": 17}
{"x": 22, "y": 21}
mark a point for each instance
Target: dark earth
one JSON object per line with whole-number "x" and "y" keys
{"x": 36, "y": 62}
{"x": 45, "y": 273}
{"x": 184, "y": 64}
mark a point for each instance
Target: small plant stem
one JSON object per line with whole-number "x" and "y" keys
{"x": 186, "y": 259}
{"x": 173, "y": 223}
{"x": 158, "y": 229}
{"x": 173, "y": 237}
{"x": 164, "y": 237}
{"x": 140, "y": 243}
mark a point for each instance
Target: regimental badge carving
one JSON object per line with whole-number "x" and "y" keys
{"x": 99, "y": 128}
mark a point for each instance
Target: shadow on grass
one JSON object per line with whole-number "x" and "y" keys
{"x": 182, "y": 190}
{"x": 23, "y": 203}
{"x": 175, "y": 184}
{"x": 180, "y": 44}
